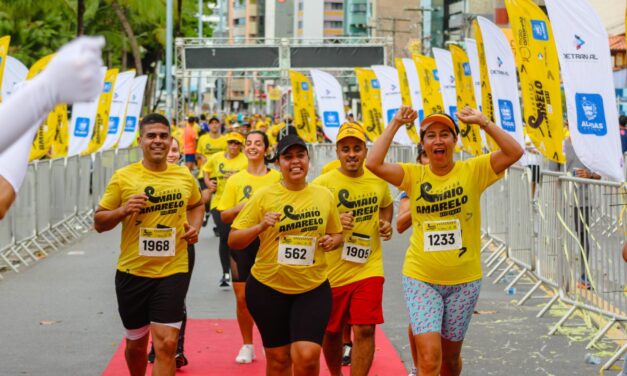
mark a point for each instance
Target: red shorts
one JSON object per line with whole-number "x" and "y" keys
{"x": 358, "y": 303}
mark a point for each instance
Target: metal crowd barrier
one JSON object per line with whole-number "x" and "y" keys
{"x": 568, "y": 239}
{"x": 55, "y": 205}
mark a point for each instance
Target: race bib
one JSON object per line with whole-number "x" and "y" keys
{"x": 296, "y": 250}
{"x": 356, "y": 249}
{"x": 442, "y": 235}
{"x": 157, "y": 242}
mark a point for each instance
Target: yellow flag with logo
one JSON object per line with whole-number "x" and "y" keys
{"x": 486, "y": 90}
{"x": 429, "y": 84}
{"x": 101, "y": 125}
{"x": 406, "y": 97}
{"x": 370, "y": 95}
{"x": 538, "y": 69}
{"x": 471, "y": 138}
{"x": 61, "y": 140}
{"x": 304, "y": 110}
{"x": 4, "y": 50}
{"x": 45, "y": 132}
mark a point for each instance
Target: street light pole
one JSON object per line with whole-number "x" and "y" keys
{"x": 168, "y": 59}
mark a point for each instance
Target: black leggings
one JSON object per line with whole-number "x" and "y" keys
{"x": 223, "y": 248}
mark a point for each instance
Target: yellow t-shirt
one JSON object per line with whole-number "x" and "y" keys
{"x": 178, "y": 134}
{"x": 208, "y": 145}
{"x": 364, "y": 196}
{"x": 452, "y": 198}
{"x": 218, "y": 166}
{"x": 310, "y": 212}
{"x": 169, "y": 194}
{"x": 334, "y": 164}
{"x": 240, "y": 187}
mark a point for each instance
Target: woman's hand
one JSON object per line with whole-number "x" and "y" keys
{"x": 470, "y": 115}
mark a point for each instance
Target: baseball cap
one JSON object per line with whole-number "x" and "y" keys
{"x": 438, "y": 118}
{"x": 234, "y": 136}
{"x": 351, "y": 130}
{"x": 289, "y": 141}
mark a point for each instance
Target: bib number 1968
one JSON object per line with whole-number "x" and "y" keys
{"x": 157, "y": 242}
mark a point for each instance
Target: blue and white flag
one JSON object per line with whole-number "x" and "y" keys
{"x": 121, "y": 93}
{"x": 82, "y": 123}
{"x": 133, "y": 110}
{"x": 391, "y": 99}
{"x": 330, "y": 102}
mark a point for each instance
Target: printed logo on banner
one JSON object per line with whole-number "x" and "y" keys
{"x": 331, "y": 119}
{"x": 82, "y": 127}
{"x": 391, "y": 113}
{"x": 451, "y": 80}
{"x": 421, "y": 115}
{"x": 539, "y": 30}
{"x": 114, "y": 121}
{"x": 499, "y": 61}
{"x": 590, "y": 114}
{"x": 466, "y": 67}
{"x": 579, "y": 42}
{"x": 107, "y": 87}
{"x": 506, "y": 110}
{"x": 131, "y": 121}
{"x": 304, "y": 86}
{"x": 375, "y": 84}
{"x": 451, "y": 111}
{"x": 436, "y": 76}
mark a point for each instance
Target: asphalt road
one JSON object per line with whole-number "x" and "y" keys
{"x": 59, "y": 317}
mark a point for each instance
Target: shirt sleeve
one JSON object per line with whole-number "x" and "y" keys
{"x": 387, "y": 197}
{"x": 406, "y": 184}
{"x": 112, "y": 197}
{"x": 251, "y": 214}
{"x": 199, "y": 146}
{"x": 334, "y": 225}
{"x": 229, "y": 196}
{"x": 483, "y": 173}
{"x": 208, "y": 166}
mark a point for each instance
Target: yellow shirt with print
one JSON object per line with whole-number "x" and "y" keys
{"x": 309, "y": 212}
{"x": 241, "y": 186}
{"x": 218, "y": 167}
{"x": 364, "y": 196}
{"x": 455, "y": 196}
{"x": 207, "y": 146}
{"x": 333, "y": 165}
{"x": 169, "y": 193}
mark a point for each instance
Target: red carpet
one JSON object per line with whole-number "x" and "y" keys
{"x": 211, "y": 347}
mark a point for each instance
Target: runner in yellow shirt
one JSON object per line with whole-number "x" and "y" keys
{"x": 442, "y": 270}
{"x": 237, "y": 191}
{"x": 288, "y": 293}
{"x": 356, "y": 269}
{"x": 218, "y": 169}
{"x": 208, "y": 144}
{"x": 160, "y": 210}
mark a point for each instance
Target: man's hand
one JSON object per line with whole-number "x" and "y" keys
{"x": 385, "y": 229}
{"x": 213, "y": 185}
{"x": 347, "y": 220}
{"x": 326, "y": 242}
{"x": 191, "y": 234}
{"x": 135, "y": 204}
{"x": 269, "y": 220}
{"x": 405, "y": 115}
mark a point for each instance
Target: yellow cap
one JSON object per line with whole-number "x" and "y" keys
{"x": 234, "y": 136}
{"x": 438, "y": 118}
{"x": 351, "y": 130}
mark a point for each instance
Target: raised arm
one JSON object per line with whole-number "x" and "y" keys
{"x": 510, "y": 151}
{"x": 391, "y": 172}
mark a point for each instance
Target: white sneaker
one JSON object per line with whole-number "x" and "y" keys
{"x": 246, "y": 355}
{"x": 413, "y": 372}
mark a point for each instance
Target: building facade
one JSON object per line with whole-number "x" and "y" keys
{"x": 317, "y": 19}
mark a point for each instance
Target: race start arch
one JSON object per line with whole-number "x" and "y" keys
{"x": 272, "y": 58}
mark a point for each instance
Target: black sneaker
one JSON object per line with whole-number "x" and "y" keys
{"x": 151, "y": 354}
{"x": 224, "y": 281}
{"x": 205, "y": 220}
{"x": 181, "y": 360}
{"x": 215, "y": 232}
{"x": 346, "y": 355}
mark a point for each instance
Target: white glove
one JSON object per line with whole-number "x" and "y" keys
{"x": 73, "y": 74}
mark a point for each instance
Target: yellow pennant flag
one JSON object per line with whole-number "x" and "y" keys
{"x": 487, "y": 107}
{"x": 4, "y": 50}
{"x": 406, "y": 97}
{"x": 429, "y": 84}
{"x": 471, "y": 138}
{"x": 304, "y": 111}
{"x": 370, "y": 95}
{"x": 538, "y": 69}
{"x": 61, "y": 140}
{"x": 45, "y": 132}
{"x": 101, "y": 125}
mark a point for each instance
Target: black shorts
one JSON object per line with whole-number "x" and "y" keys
{"x": 242, "y": 261}
{"x": 286, "y": 318}
{"x": 143, "y": 300}
{"x": 201, "y": 184}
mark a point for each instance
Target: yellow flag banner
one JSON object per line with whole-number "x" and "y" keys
{"x": 538, "y": 69}
{"x": 429, "y": 84}
{"x": 101, "y": 125}
{"x": 4, "y": 50}
{"x": 487, "y": 107}
{"x": 304, "y": 110}
{"x": 61, "y": 140}
{"x": 45, "y": 132}
{"x": 406, "y": 97}
{"x": 471, "y": 138}
{"x": 370, "y": 95}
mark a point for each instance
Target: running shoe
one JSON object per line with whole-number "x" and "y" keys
{"x": 224, "y": 281}
{"x": 246, "y": 354}
{"x": 414, "y": 372}
{"x": 205, "y": 220}
{"x": 181, "y": 360}
{"x": 346, "y": 355}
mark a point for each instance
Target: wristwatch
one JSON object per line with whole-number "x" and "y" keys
{"x": 483, "y": 125}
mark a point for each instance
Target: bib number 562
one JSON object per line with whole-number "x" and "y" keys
{"x": 295, "y": 253}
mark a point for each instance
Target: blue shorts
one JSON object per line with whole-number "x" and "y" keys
{"x": 445, "y": 309}
{"x": 190, "y": 158}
